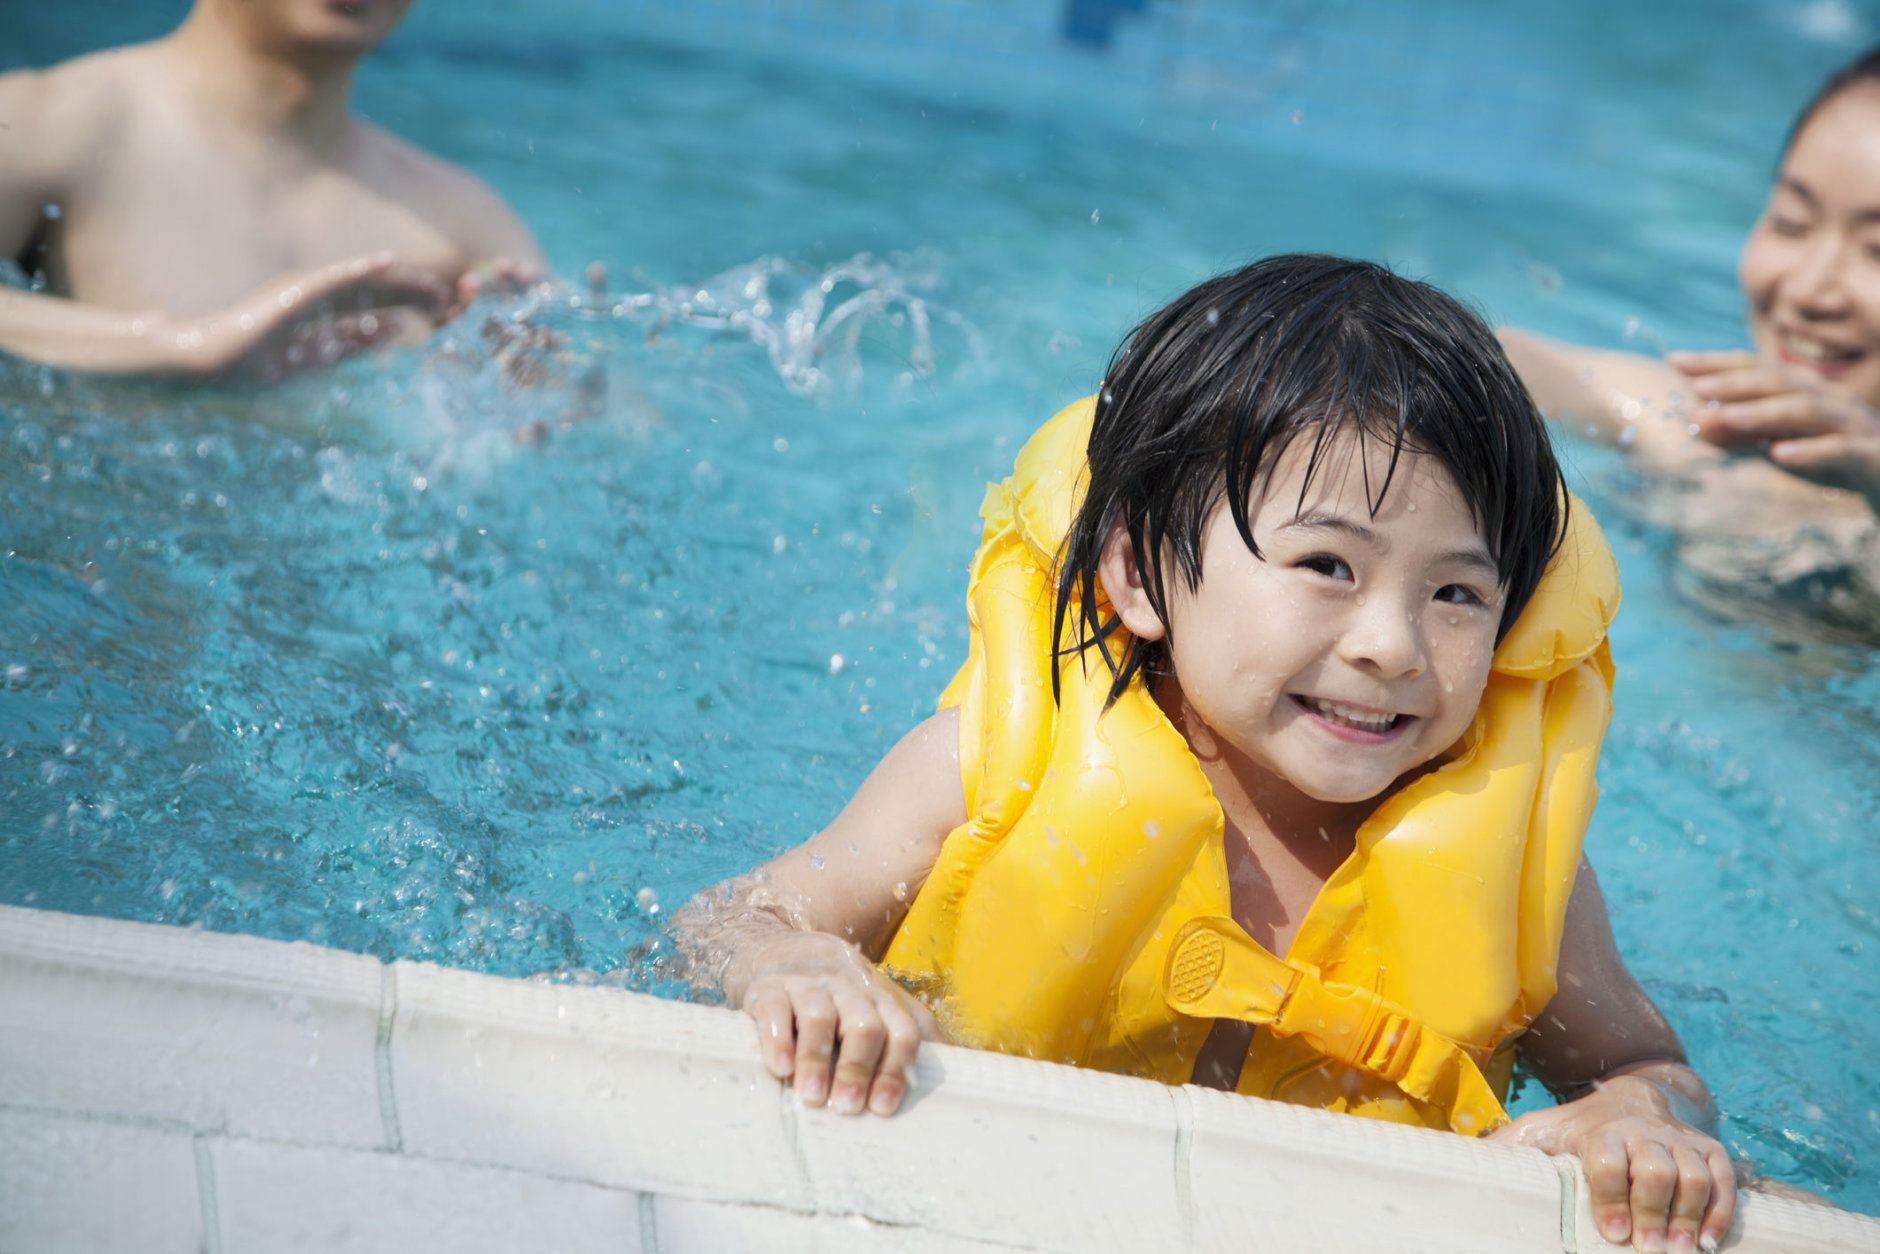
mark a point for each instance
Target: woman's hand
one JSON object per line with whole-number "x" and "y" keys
{"x": 817, "y": 1000}
{"x": 1811, "y": 427}
{"x": 1652, "y": 1177}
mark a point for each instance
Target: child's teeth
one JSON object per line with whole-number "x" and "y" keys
{"x": 1357, "y": 718}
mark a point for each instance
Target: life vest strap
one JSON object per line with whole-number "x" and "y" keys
{"x": 1217, "y": 971}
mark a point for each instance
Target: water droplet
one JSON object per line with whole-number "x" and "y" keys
{"x": 900, "y": 890}
{"x": 647, "y": 900}
{"x": 1151, "y": 829}
{"x": 1095, "y": 215}
{"x": 816, "y": 861}
{"x": 836, "y": 663}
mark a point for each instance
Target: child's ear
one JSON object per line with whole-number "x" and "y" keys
{"x": 1121, "y": 577}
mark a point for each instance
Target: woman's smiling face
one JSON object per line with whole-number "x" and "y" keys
{"x": 1355, "y": 650}
{"x": 1811, "y": 266}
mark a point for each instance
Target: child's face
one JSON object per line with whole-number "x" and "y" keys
{"x": 1358, "y": 649}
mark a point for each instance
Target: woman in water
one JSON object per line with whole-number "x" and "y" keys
{"x": 1767, "y": 461}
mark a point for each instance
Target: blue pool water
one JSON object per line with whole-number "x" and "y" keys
{"x": 348, "y": 661}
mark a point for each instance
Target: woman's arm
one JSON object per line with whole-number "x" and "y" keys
{"x": 793, "y": 943}
{"x": 1637, "y": 1116}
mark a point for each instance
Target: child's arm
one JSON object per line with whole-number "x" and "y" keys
{"x": 1638, "y": 1116}
{"x": 793, "y": 943}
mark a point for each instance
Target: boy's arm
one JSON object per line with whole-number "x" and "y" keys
{"x": 792, "y": 943}
{"x": 312, "y": 317}
{"x": 1636, "y": 1115}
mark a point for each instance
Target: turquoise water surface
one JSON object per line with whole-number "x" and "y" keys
{"x": 491, "y": 656}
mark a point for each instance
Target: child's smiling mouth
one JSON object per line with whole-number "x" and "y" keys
{"x": 1353, "y": 722}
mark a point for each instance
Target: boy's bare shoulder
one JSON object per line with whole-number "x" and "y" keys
{"x": 466, "y": 208}
{"x": 53, "y": 119}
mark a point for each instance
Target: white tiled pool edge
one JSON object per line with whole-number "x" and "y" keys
{"x": 169, "y": 1089}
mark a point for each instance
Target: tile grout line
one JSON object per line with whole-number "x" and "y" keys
{"x": 788, "y": 1110}
{"x": 649, "y": 1225}
{"x": 205, "y": 1195}
{"x": 1184, "y": 1163}
{"x": 382, "y": 1058}
{"x": 1569, "y": 1202}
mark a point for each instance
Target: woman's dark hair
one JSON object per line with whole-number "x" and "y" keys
{"x": 1862, "y": 69}
{"x": 1202, "y": 398}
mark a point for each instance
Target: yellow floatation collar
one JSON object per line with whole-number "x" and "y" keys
{"x": 1082, "y": 912}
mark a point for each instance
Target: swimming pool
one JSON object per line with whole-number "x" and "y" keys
{"x": 349, "y": 662}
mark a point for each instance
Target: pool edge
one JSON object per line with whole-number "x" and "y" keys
{"x": 166, "y": 1088}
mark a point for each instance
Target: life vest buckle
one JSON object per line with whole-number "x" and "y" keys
{"x": 1390, "y": 1045}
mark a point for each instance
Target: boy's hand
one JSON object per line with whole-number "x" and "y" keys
{"x": 817, "y": 1000}
{"x": 1810, "y": 427}
{"x": 501, "y": 276}
{"x": 1652, "y": 1177}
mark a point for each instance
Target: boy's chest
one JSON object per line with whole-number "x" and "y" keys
{"x": 194, "y": 235}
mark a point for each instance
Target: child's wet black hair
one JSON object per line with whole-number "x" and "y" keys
{"x": 1203, "y": 396}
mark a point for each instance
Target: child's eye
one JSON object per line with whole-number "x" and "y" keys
{"x": 1460, "y": 594}
{"x": 1787, "y": 226}
{"x": 1327, "y": 565}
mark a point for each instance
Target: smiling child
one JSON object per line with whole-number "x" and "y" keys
{"x": 1268, "y": 767}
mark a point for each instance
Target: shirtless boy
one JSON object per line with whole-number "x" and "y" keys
{"x": 206, "y": 202}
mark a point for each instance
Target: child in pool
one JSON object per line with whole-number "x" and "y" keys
{"x": 1286, "y": 681}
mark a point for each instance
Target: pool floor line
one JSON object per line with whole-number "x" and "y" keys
{"x": 170, "y": 1089}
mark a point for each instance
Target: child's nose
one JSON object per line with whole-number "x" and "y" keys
{"x": 1384, "y": 636}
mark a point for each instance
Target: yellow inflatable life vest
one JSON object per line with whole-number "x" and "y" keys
{"x": 1081, "y": 914}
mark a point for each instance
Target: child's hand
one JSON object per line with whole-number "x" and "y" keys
{"x": 1810, "y": 427}
{"x": 816, "y": 999}
{"x": 1652, "y": 1177}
